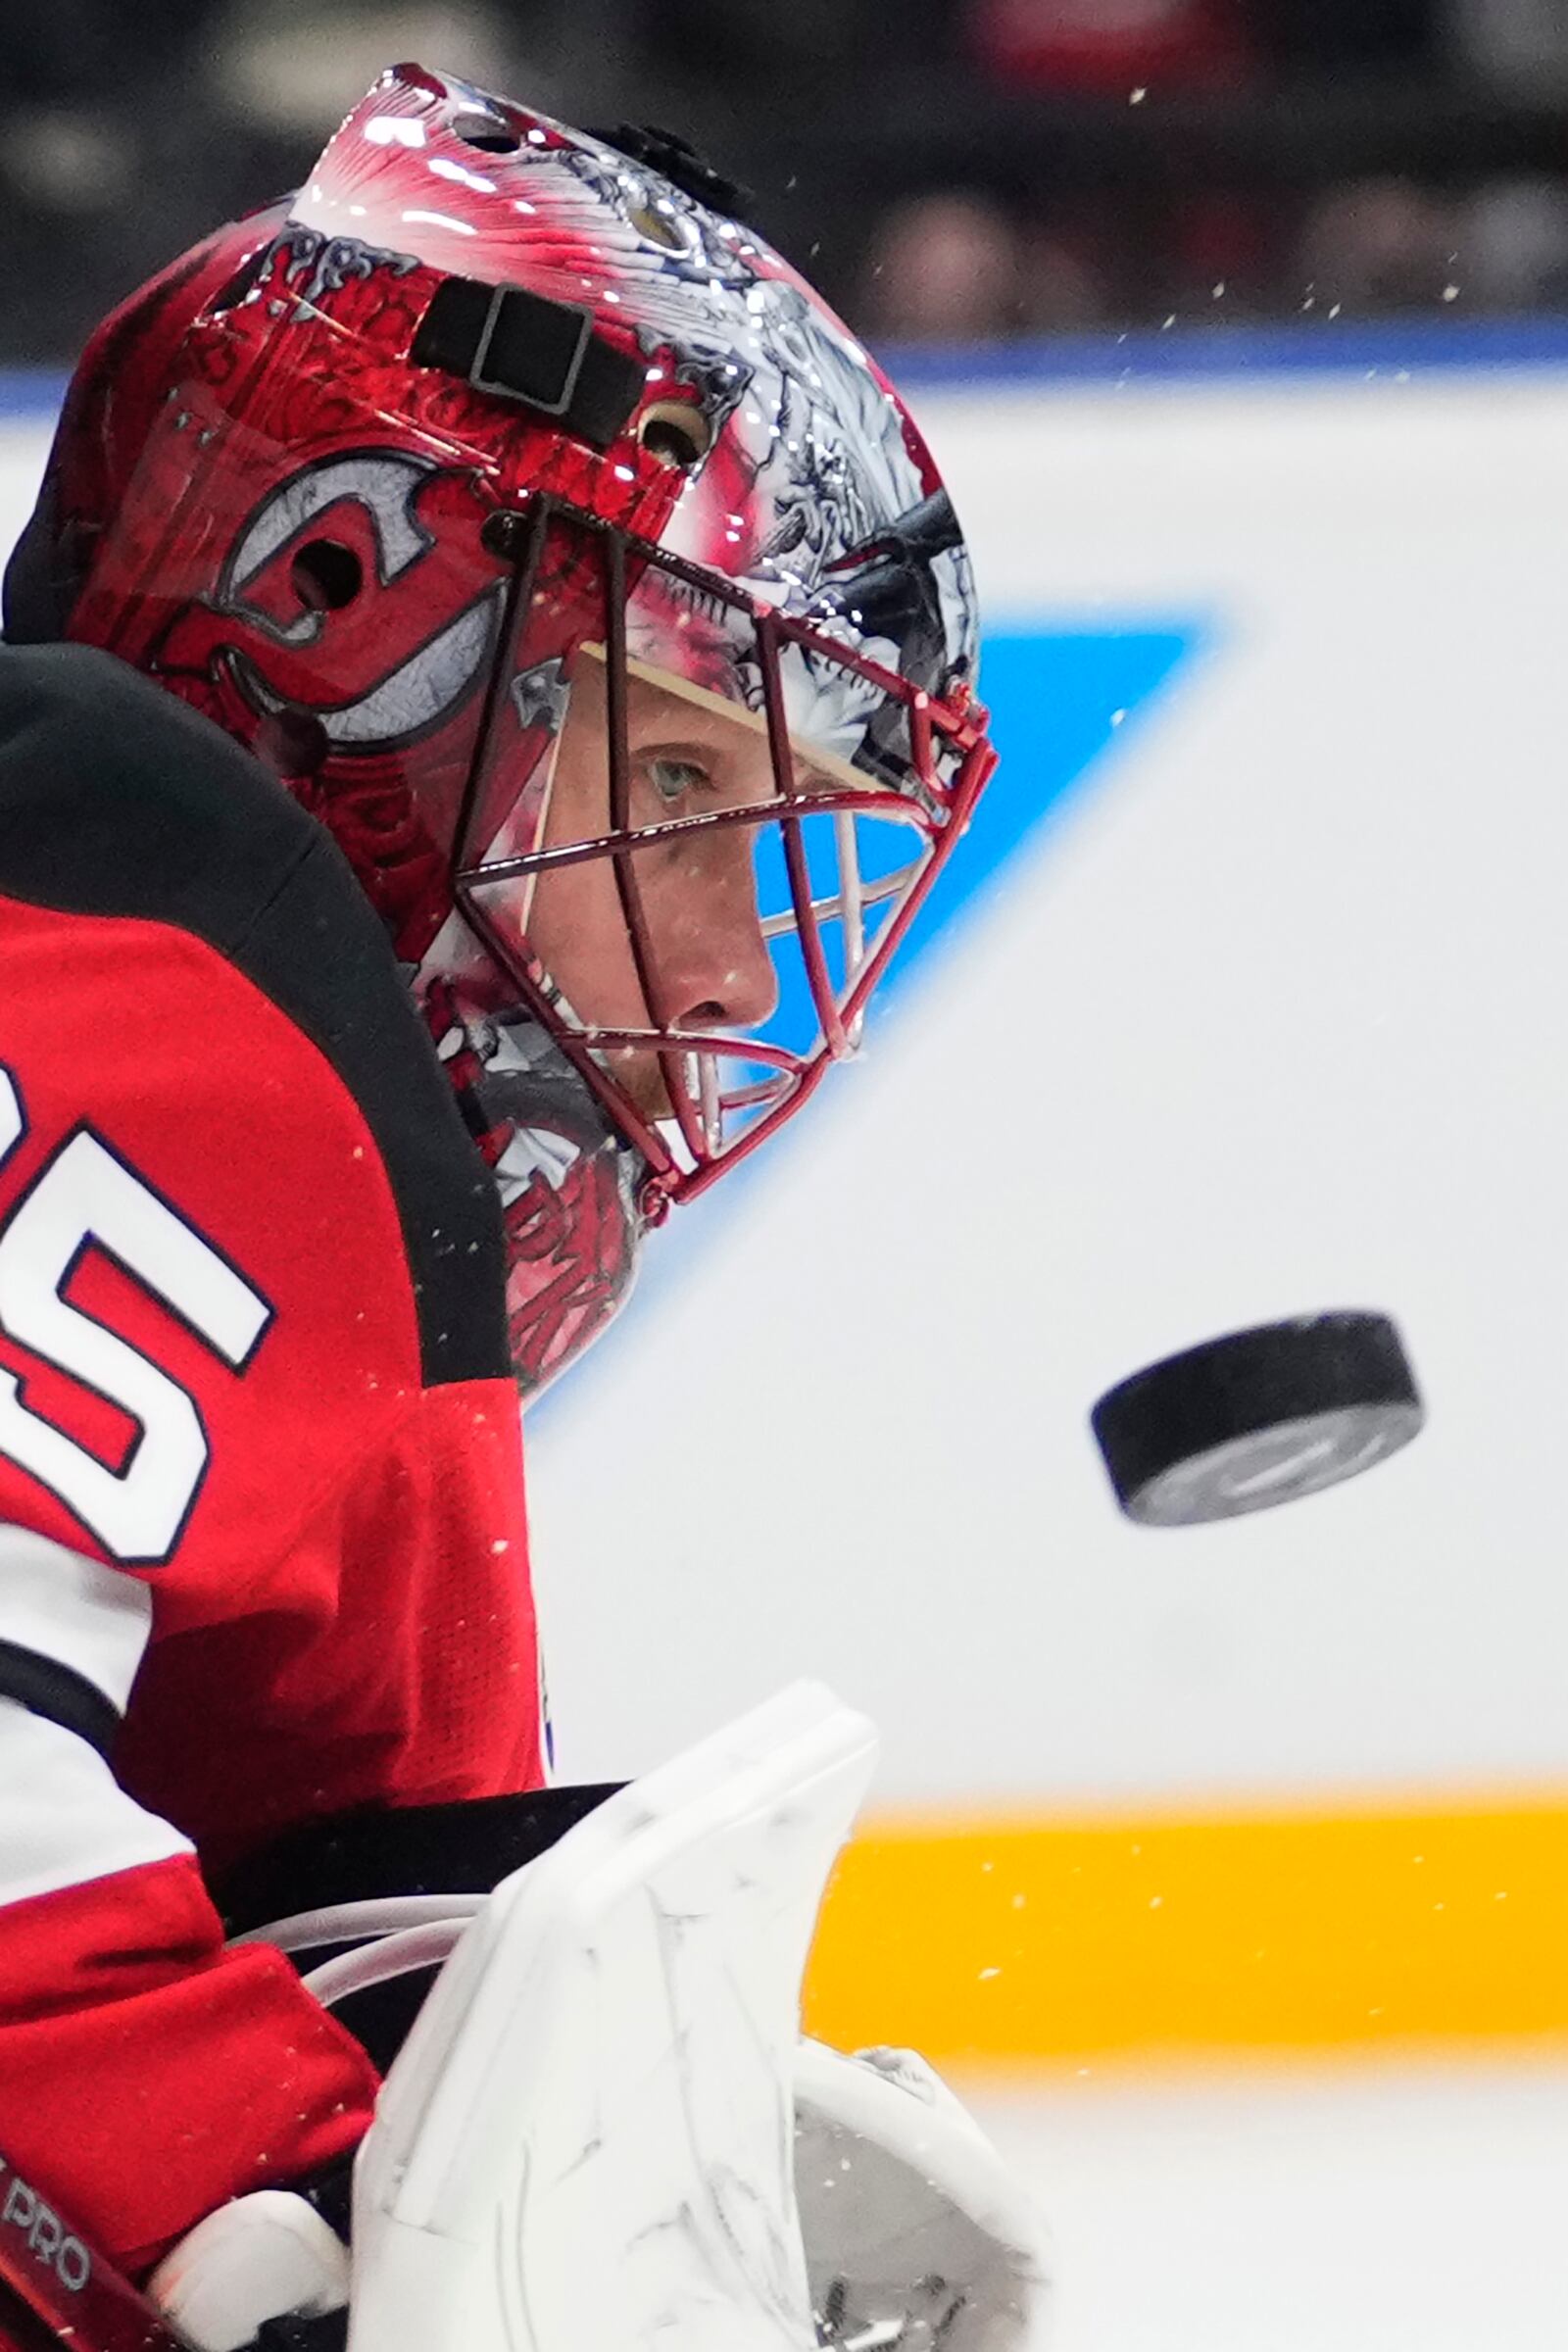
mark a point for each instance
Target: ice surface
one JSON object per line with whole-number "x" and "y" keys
{"x": 1374, "y": 2209}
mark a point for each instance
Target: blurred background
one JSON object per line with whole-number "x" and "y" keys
{"x": 1228, "y": 1867}
{"x": 947, "y": 169}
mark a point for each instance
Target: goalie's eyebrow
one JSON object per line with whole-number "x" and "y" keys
{"x": 808, "y": 777}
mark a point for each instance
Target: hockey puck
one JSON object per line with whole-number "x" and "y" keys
{"x": 1257, "y": 1418}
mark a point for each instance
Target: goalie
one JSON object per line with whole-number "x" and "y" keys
{"x": 566, "y": 653}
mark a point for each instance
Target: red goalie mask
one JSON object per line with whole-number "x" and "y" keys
{"x": 577, "y": 568}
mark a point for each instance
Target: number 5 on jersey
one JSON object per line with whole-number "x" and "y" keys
{"x": 85, "y": 1198}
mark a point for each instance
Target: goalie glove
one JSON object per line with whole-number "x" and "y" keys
{"x": 918, "y": 2236}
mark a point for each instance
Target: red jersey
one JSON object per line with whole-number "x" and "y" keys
{"x": 263, "y": 1552}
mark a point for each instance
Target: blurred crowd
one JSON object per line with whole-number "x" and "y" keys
{"x": 1374, "y": 223}
{"x": 954, "y": 170}
{"x": 963, "y": 265}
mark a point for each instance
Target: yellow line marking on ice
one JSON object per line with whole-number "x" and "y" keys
{"x": 1027, "y": 1939}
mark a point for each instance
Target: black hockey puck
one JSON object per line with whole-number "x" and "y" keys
{"x": 1257, "y": 1418}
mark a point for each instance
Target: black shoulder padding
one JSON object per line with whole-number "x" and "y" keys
{"x": 117, "y": 798}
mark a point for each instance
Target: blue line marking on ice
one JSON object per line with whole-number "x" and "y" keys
{"x": 1060, "y": 699}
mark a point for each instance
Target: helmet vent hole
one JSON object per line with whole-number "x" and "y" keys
{"x": 245, "y": 278}
{"x": 657, "y": 227}
{"x": 676, "y": 432}
{"x": 326, "y": 575}
{"x": 488, "y": 132}
{"x": 504, "y": 535}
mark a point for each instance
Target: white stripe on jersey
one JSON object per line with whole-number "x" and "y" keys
{"x": 64, "y": 1819}
{"x": 62, "y": 1606}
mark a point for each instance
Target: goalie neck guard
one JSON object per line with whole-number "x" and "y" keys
{"x": 574, "y": 563}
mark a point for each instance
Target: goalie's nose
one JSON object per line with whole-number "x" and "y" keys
{"x": 716, "y": 970}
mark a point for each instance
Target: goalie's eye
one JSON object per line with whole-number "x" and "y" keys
{"x": 674, "y": 778}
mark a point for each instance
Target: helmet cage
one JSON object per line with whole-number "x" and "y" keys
{"x": 723, "y": 1093}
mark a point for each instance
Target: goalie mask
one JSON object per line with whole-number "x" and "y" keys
{"x": 574, "y": 565}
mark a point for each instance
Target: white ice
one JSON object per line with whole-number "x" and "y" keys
{"x": 1373, "y": 2208}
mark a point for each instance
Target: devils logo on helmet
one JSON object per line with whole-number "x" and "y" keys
{"x": 342, "y": 598}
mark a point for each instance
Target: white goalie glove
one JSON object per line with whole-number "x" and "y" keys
{"x": 915, "y": 2233}
{"x": 586, "y": 2138}
{"x": 918, "y": 2236}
